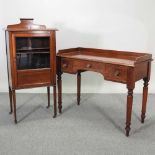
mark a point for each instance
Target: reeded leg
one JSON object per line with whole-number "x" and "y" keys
{"x": 144, "y": 102}
{"x": 48, "y": 95}
{"x": 14, "y": 105}
{"x": 10, "y": 96}
{"x": 78, "y": 87}
{"x": 55, "y": 102}
{"x": 129, "y": 111}
{"x": 59, "y": 81}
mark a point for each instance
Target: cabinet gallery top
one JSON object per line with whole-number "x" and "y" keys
{"x": 26, "y": 24}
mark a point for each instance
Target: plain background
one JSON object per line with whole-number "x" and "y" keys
{"x": 127, "y": 25}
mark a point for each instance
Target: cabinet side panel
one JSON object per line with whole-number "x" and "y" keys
{"x": 7, "y": 41}
{"x": 53, "y": 57}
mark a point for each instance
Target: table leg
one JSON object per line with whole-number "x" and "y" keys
{"x": 59, "y": 81}
{"x": 55, "y": 101}
{"x": 48, "y": 95}
{"x": 10, "y": 96}
{"x": 78, "y": 87}
{"x": 144, "y": 102}
{"x": 129, "y": 110}
{"x": 14, "y": 105}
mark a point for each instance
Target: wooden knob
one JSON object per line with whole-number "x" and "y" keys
{"x": 64, "y": 65}
{"x": 88, "y": 66}
{"x": 117, "y": 73}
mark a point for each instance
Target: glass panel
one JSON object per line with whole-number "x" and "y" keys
{"x": 32, "y": 52}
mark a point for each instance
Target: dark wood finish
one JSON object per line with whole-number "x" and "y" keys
{"x": 34, "y": 77}
{"x": 129, "y": 110}
{"x": 10, "y": 97}
{"x": 116, "y": 73}
{"x": 48, "y": 95}
{"x": 59, "y": 82}
{"x": 14, "y": 105}
{"x": 78, "y": 87}
{"x": 144, "y": 102}
{"x": 31, "y": 59}
{"x": 55, "y": 101}
{"x": 118, "y": 66}
{"x": 27, "y": 24}
{"x": 145, "y": 93}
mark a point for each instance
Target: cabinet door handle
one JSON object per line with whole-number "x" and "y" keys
{"x": 64, "y": 65}
{"x": 117, "y": 73}
{"x": 89, "y": 66}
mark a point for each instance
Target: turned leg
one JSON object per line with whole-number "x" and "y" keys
{"x": 78, "y": 87}
{"x": 48, "y": 95}
{"x": 59, "y": 81}
{"x": 55, "y": 102}
{"x": 144, "y": 102}
{"x": 129, "y": 110}
{"x": 14, "y": 105}
{"x": 10, "y": 96}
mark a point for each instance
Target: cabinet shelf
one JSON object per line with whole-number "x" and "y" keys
{"x": 33, "y": 49}
{"x": 46, "y": 52}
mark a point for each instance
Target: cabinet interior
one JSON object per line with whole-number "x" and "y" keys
{"x": 32, "y": 52}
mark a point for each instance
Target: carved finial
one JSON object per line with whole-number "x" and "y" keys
{"x": 26, "y": 20}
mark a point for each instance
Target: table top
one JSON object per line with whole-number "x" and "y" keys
{"x": 105, "y": 56}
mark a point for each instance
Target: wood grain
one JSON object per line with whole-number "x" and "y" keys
{"x": 30, "y": 78}
{"x": 117, "y": 66}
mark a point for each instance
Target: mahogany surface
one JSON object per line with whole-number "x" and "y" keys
{"x": 118, "y": 66}
{"x": 31, "y": 59}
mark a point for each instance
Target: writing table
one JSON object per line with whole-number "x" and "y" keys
{"x": 116, "y": 66}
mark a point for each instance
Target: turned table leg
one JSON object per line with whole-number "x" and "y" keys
{"x": 144, "y": 102}
{"x": 59, "y": 81}
{"x": 55, "y": 101}
{"x": 10, "y": 96}
{"x": 48, "y": 95}
{"x": 129, "y": 110}
{"x": 14, "y": 105}
{"x": 78, "y": 87}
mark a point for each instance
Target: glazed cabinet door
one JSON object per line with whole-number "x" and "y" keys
{"x": 32, "y": 57}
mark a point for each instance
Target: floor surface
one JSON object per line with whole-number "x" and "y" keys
{"x": 96, "y": 127}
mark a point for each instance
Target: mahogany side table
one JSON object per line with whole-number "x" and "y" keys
{"x": 116, "y": 66}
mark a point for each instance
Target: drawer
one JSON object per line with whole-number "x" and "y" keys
{"x": 67, "y": 65}
{"x": 72, "y": 66}
{"x": 116, "y": 73}
{"x": 89, "y": 66}
{"x": 33, "y": 78}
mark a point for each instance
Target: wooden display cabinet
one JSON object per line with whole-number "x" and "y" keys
{"x": 31, "y": 59}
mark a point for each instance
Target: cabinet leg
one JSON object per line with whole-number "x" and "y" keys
{"x": 59, "y": 81}
{"x": 144, "y": 102}
{"x": 78, "y": 87}
{"x": 14, "y": 105}
{"x": 55, "y": 102}
{"x": 10, "y": 96}
{"x": 129, "y": 111}
{"x": 48, "y": 95}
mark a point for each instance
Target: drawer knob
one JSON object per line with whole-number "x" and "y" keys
{"x": 88, "y": 66}
{"x": 117, "y": 73}
{"x": 64, "y": 65}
